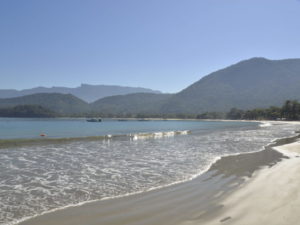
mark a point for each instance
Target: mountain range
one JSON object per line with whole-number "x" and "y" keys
{"x": 60, "y": 103}
{"x": 252, "y": 83}
{"x": 86, "y": 92}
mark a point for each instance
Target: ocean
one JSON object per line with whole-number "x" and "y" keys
{"x": 134, "y": 157}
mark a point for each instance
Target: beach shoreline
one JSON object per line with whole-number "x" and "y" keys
{"x": 199, "y": 201}
{"x": 271, "y": 197}
{"x": 45, "y": 140}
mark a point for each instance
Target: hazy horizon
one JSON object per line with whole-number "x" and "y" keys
{"x": 138, "y": 44}
{"x": 76, "y": 86}
{"x": 120, "y": 85}
{"x": 149, "y": 112}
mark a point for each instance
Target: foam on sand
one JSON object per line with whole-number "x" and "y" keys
{"x": 175, "y": 204}
{"x": 153, "y": 165}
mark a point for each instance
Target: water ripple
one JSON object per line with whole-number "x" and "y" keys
{"x": 40, "y": 178}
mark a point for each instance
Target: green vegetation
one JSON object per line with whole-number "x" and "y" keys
{"x": 212, "y": 115}
{"x": 289, "y": 111}
{"x": 36, "y": 111}
{"x": 86, "y": 92}
{"x": 254, "y": 83}
{"x": 60, "y": 103}
{"x": 141, "y": 103}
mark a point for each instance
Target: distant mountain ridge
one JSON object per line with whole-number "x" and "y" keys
{"x": 139, "y": 103}
{"x": 65, "y": 104}
{"x": 86, "y": 92}
{"x": 253, "y": 83}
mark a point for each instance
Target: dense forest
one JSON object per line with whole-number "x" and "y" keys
{"x": 249, "y": 84}
{"x": 256, "y": 83}
{"x": 289, "y": 111}
{"x": 32, "y": 111}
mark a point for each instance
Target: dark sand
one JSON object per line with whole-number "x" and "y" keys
{"x": 195, "y": 200}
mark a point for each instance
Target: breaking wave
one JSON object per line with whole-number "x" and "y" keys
{"x": 42, "y": 178}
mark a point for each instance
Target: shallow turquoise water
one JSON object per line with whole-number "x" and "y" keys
{"x": 39, "y": 178}
{"x": 11, "y": 128}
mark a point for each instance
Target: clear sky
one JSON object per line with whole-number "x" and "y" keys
{"x": 159, "y": 44}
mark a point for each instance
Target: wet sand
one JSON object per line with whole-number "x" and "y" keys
{"x": 272, "y": 197}
{"x": 199, "y": 201}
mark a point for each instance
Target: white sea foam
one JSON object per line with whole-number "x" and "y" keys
{"x": 141, "y": 136}
{"x": 58, "y": 176}
{"x": 265, "y": 124}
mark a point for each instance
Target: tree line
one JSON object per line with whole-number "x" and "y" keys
{"x": 289, "y": 111}
{"x": 27, "y": 111}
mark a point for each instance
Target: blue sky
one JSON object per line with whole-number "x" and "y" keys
{"x": 159, "y": 44}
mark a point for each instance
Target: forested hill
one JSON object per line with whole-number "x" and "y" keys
{"x": 249, "y": 84}
{"x": 34, "y": 111}
{"x": 140, "y": 103}
{"x": 60, "y": 103}
{"x": 86, "y": 92}
{"x": 253, "y": 83}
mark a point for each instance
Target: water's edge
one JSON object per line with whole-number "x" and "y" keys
{"x": 212, "y": 170}
{"x": 8, "y": 143}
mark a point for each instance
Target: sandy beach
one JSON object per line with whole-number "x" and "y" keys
{"x": 253, "y": 188}
{"x": 149, "y": 112}
{"x": 272, "y": 197}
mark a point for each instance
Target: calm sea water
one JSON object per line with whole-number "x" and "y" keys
{"x": 11, "y": 128}
{"x": 36, "y": 179}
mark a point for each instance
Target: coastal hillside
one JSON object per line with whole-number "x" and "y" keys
{"x": 253, "y": 83}
{"x": 140, "y": 103}
{"x": 27, "y": 111}
{"x": 59, "y": 103}
{"x": 249, "y": 84}
{"x": 86, "y": 92}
